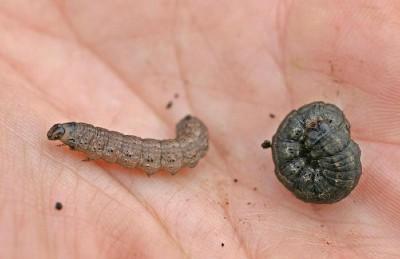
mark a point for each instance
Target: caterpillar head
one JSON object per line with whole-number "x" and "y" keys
{"x": 62, "y": 131}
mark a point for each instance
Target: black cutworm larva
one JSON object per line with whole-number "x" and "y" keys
{"x": 189, "y": 146}
{"x": 314, "y": 156}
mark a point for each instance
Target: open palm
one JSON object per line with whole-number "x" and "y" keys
{"x": 240, "y": 66}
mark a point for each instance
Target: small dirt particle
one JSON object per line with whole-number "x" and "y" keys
{"x": 222, "y": 244}
{"x": 169, "y": 105}
{"x": 58, "y": 206}
{"x": 266, "y": 144}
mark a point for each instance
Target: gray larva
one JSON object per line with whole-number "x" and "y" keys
{"x": 314, "y": 156}
{"x": 189, "y": 146}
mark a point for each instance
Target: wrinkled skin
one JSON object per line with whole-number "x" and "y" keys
{"x": 116, "y": 64}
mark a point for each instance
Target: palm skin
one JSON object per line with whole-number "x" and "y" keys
{"x": 117, "y": 63}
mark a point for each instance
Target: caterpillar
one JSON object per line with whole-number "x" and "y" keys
{"x": 151, "y": 155}
{"x": 314, "y": 155}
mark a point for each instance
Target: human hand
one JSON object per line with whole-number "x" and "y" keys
{"x": 116, "y": 64}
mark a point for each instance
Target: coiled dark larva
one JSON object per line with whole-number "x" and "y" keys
{"x": 314, "y": 156}
{"x": 189, "y": 146}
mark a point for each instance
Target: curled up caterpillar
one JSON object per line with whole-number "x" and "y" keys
{"x": 315, "y": 157}
{"x": 151, "y": 155}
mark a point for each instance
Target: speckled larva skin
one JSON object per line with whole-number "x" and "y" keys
{"x": 189, "y": 146}
{"x": 314, "y": 156}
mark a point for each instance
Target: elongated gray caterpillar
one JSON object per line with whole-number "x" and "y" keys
{"x": 189, "y": 146}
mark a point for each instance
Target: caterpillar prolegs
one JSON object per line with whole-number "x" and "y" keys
{"x": 189, "y": 146}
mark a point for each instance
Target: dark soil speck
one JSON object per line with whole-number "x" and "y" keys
{"x": 271, "y": 115}
{"x": 169, "y": 105}
{"x": 58, "y": 206}
{"x": 266, "y": 144}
